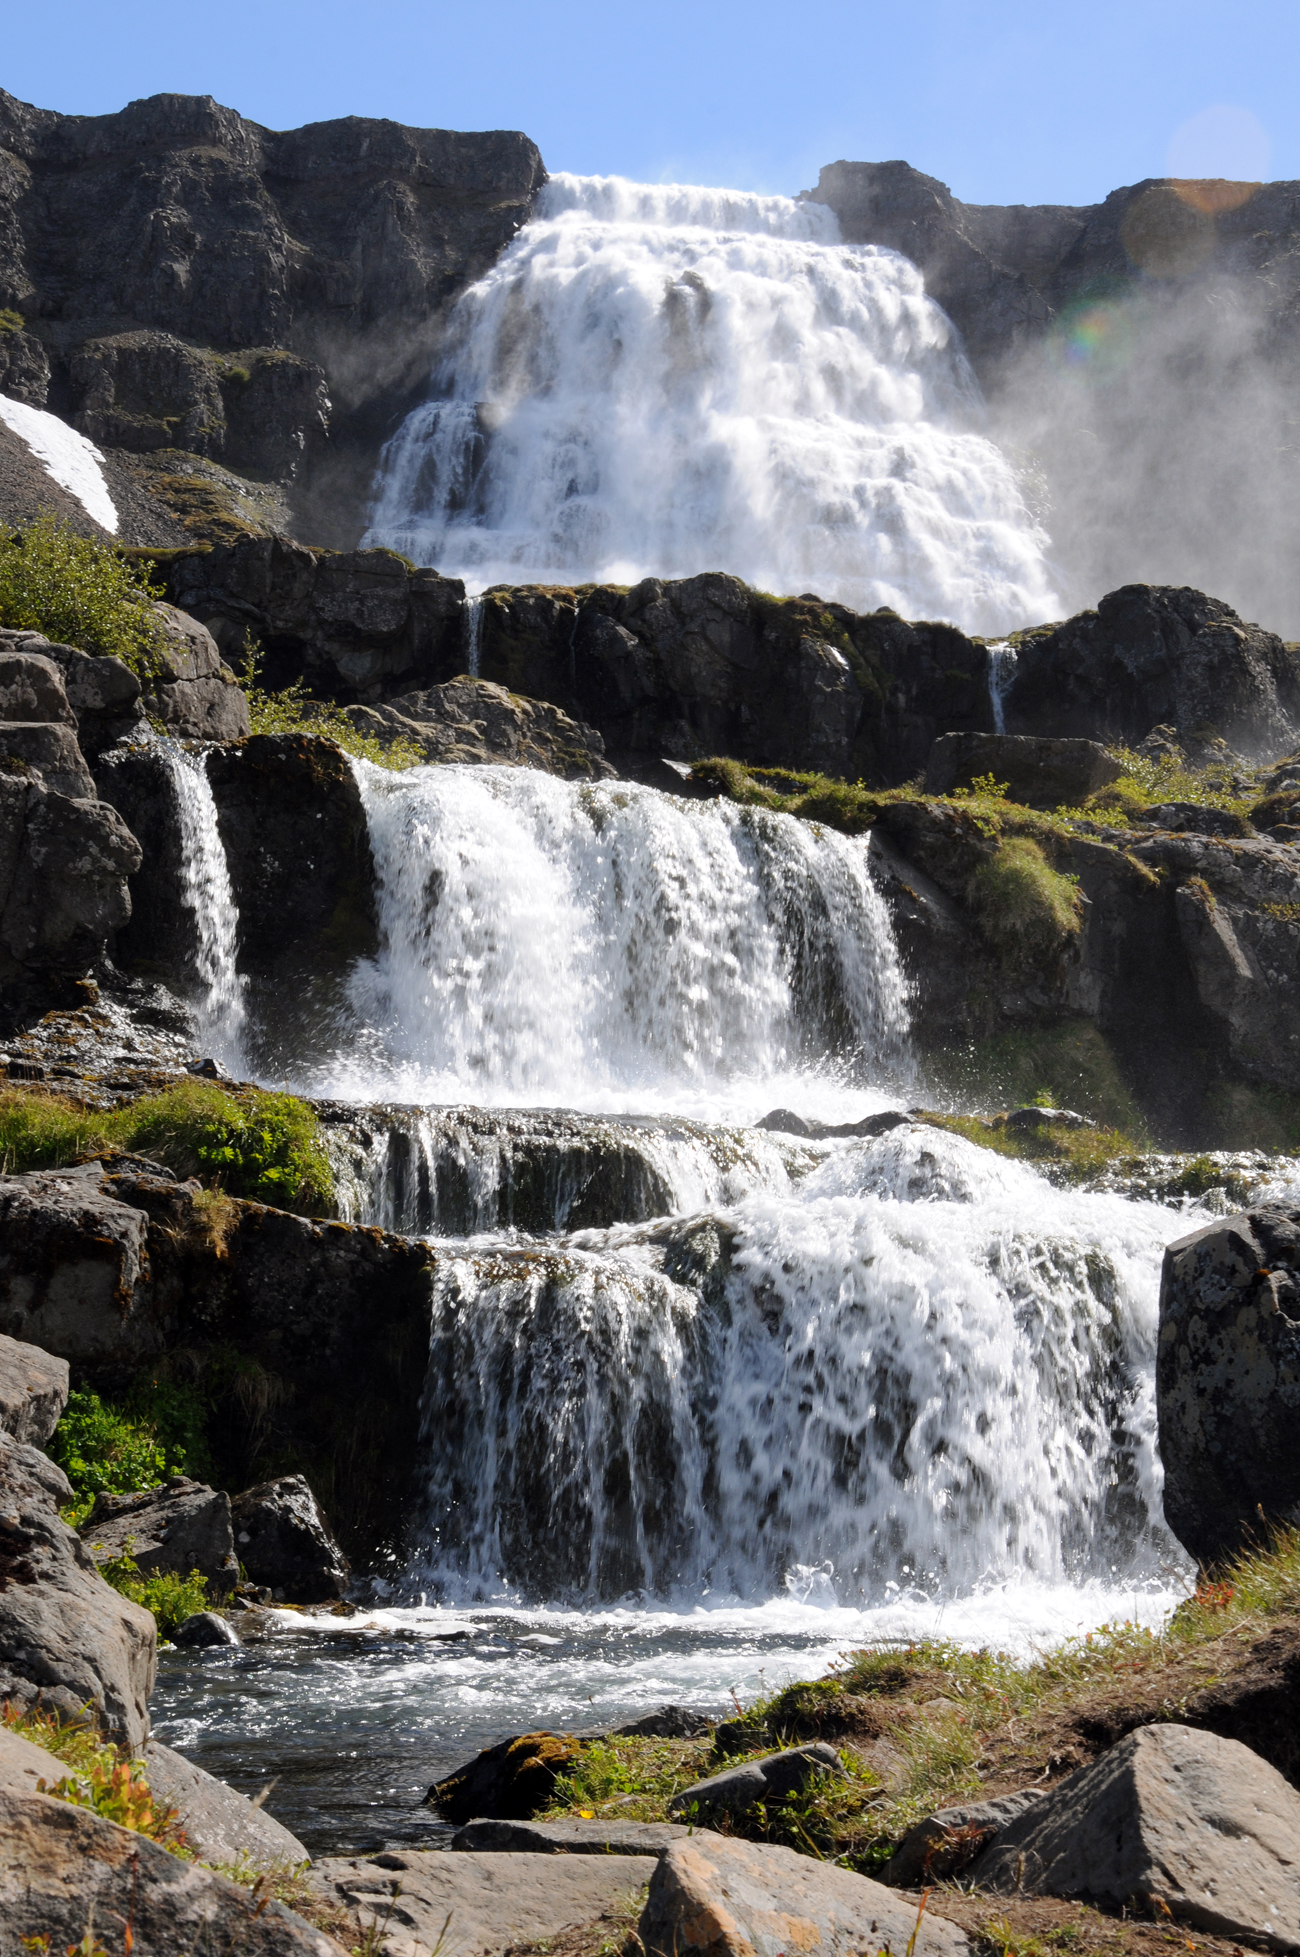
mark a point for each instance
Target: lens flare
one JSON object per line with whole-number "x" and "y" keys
{"x": 1094, "y": 336}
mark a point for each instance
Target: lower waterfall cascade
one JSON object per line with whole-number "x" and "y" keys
{"x": 657, "y": 380}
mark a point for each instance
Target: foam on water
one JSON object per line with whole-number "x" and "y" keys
{"x": 661, "y": 380}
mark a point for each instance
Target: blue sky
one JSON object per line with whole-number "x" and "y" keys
{"x": 1013, "y": 101}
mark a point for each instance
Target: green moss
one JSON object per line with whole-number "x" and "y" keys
{"x": 10, "y": 322}
{"x": 1026, "y": 909}
{"x": 1078, "y": 1153}
{"x": 266, "y": 1147}
{"x": 79, "y": 592}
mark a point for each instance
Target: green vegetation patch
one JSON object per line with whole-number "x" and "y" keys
{"x": 1026, "y": 909}
{"x": 1077, "y": 1154}
{"x": 80, "y": 592}
{"x": 104, "y": 1449}
{"x": 99, "y": 1777}
{"x": 170, "y": 1597}
{"x": 293, "y": 711}
{"x": 265, "y": 1147}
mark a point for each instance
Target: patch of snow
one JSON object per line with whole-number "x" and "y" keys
{"x": 75, "y": 463}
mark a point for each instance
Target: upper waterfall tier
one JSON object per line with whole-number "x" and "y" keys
{"x": 544, "y": 943}
{"x": 660, "y": 380}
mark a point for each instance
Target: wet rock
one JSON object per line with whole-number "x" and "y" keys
{"x": 569, "y": 1837}
{"x": 770, "y": 1779}
{"x": 472, "y": 720}
{"x": 33, "y": 1391}
{"x": 222, "y": 1825}
{"x": 1228, "y": 1379}
{"x": 782, "y": 1121}
{"x": 1047, "y": 774}
{"x": 668, "y": 1723}
{"x": 718, "y": 1897}
{"x": 478, "y": 1905}
{"x": 1026, "y": 1120}
{"x": 507, "y": 1782}
{"x": 1169, "y": 1816}
{"x": 1156, "y": 654}
{"x": 66, "y": 1638}
{"x": 182, "y": 1526}
{"x": 207, "y": 1630}
{"x": 947, "y": 1842}
{"x": 74, "y": 1264}
{"x": 285, "y": 1544}
{"x": 62, "y": 1867}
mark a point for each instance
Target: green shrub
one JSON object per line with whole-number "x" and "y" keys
{"x": 1027, "y": 909}
{"x": 170, "y": 1597}
{"x": 293, "y": 711}
{"x": 78, "y": 591}
{"x": 263, "y": 1146}
{"x": 102, "y": 1449}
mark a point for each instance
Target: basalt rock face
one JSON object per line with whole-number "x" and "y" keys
{"x": 474, "y": 721}
{"x": 195, "y": 284}
{"x": 1151, "y": 655}
{"x": 1003, "y": 273}
{"x": 1228, "y": 1380}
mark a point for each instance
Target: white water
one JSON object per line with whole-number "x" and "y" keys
{"x": 71, "y": 459}
{"x": 661, "y": 380}
{"x": 610, "y": 947}
{"x": 473, "y": 635}
{"x": 1002, "y": 668}
{"x": 220, "y": 1007}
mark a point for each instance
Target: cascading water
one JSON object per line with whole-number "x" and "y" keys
{"x": 610, "y": 946}
{"x": 473, "y": 635}
{"x": 220, "y": 1006}
{"x": 660, "y": 380}
{"x": 1002, "y": 667}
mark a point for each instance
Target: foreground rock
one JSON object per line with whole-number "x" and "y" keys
{"x": 63, "y": 1867}
{"x": 285, "y": 1544}
{"x": 180, "y": 1527}
{"x": 772, "y": 1779}
{"x": 1169, "y": 1816}
{"x": 33, "y": 1391}
{"x": 1228, "y": 1380}
{"x": 191, "y": 692}
{"x": 473, "y": 1905}
{"x": 507, "y": 1782}
{"x": 221, "y": 1825}
{"x": 745, "y": 1899}
{"x": 947, "y": 1842}
{"x": 471, "y": 720}
{"x": 1047, "y": 774}
{"x": 570, "y": 1837}
{"x": 66, "y": 1639}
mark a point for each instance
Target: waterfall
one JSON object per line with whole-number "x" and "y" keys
{"x": 207, "y": 895}
{"x": 549, "y": 943}
{"x": 665, "y": 380}
{"x": 921, "y": 1368}
{"x": 473, "y": 636}
{"x": 1002, "y": 667}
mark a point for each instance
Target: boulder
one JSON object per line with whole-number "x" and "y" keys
{"x": 207, "y": 1630}
{"x": 569, "y": 1837}
{"x": 63, "y": 1868}
{"x": 182, "y": 1526}
{"x": 194, "y": 695}
{"x": 1228, "y": 1380}
{"x": 506, "y": 1782}
{"x": 769, "y": 1779}
{"x": 285, "y": 1544}
{"x": 31, "y": 686}
{"x": 422, "y": 1900}
{"x": 945, "y": 1843}
{"x": 64, "y": 864}
{"x": 23, "y": 1764}
{"x": 1157, "y": 655}
{"x": 1171, "y": 1817}
{"x": 719, "y": 1897}
{"x": 66, "y": 1638}
{"x": 1047, "y": 774}
{"x": 104, "y": 695}
{"x": 221, "y": 1825}
{"x": 471, "y": 720}
{"x": 1189, "y": 818}
{"x": 667, "y": 1723}
{"x": 33, "y": 1391}
{"x": 47, "y": 751}
{"x": 74, "y": 1264}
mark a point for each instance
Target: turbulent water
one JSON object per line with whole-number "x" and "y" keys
{"x": 220, "y": 1007}
{"x": 705, "y": 1401}
{"x": 656, "y": 380}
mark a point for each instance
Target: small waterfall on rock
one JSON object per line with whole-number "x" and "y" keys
{"x": 660, "y": 380}
{"x": 610, "y": 946}
{"x": 207, "y": 895}
{"x": 1002, "y": 667}
{"x": 473, "y": 635}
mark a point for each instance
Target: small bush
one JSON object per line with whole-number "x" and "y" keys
{"x": 293, "y": 711}
{"x": 170, "y": 1597}
{"x": 78, "y": 591}
{"x": 1026, "y": 908}
{"x": 266, "y": 1147}
{"x": 101, "y": 1449}
{"x": 101, "y": 1779}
